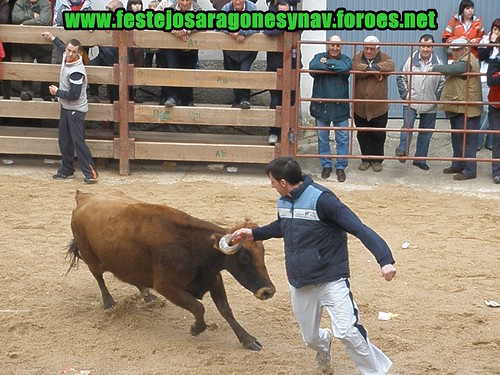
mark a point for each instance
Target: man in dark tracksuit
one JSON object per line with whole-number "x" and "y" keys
{"x": 72, "y": 95}
{"x": 314, "y": 224}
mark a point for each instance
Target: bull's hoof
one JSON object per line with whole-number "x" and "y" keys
{"x": 108, "y": 303}
{"x": 253, "y": 345}
{"x": 196, "y": 329}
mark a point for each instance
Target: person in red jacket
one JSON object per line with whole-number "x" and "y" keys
{"x": 493, "y": 80}
{"x": 464, "y": 24}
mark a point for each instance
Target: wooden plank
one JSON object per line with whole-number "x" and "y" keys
{"x": 49, "y": 146}
{"x": 33, "y": 34}
{"x": 17, "y": 71}
{"x": 50, "y": 110}
{"x": 224, "y": 79}
{"x": 204, "y": 116}
{"x": 205, "y": 40}
{"x": 202, "y": 138}
{"x": 203, "y": 152}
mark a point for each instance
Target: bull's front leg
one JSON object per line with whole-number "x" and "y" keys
{"x": 218, "y": 293}
{"x": 185, "y": 300}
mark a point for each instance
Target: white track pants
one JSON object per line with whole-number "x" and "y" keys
{"x": 308, "y": 303}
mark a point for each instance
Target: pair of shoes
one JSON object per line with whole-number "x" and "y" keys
{"x": 364, "y": 166}
{"x": 452, "y": 170}
{"x": 496, "y": 180}
{"x": 400, "y": 152}
{"x": 273, "y": 138}
{"x": 93, "y": 99}
{"x": 377, "y": 166}
{"x": 244, "y": 104}
{"x": 340, "y": 175}
{"x": 61, "y": 176}
{"x": 90, "y": 180}
{"x": 26, "y": 95}
{"x": 462, "y": 177}
{"x": 422, "y": 166}
{"x": 325, "y": 173}
{"x": 324, "y": 358}
{"x": 170, "y": 102}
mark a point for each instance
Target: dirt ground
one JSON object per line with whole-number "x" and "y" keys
{"x": 53, "y": 323}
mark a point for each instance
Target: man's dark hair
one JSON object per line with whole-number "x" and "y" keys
{"x": 76, "y": 43}
{"x": 285, "y": 168}
{"x": 464, "y": 4}
{"x": 426, "y": 37}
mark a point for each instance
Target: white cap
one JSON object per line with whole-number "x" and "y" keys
{"x": 461, "y": 40}
{"x": 371, "y": 39}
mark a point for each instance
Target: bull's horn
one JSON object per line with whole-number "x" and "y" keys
{"x": 226, "y": 248}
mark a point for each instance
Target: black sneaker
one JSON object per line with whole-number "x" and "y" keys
{"x": 62, "y": 176}
{"x": 90, "y": 180}
{"x": 26, "y": 95}
{"x": 245, "y": 104}
{"x": 325, "y": 173}
{"x": 170, "y": 102}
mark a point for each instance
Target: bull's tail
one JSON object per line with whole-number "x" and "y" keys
{"x": 74, "y": 256}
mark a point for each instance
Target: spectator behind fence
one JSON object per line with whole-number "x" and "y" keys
{"x": 486, "y": 53}
{"x": 136, "y": 55}
{"x": 332, "y": 84}
{"x": 458, "y": 88}
{"x": 69, "y": 6}
{"x": 107, "y": 56}
{"x": 72, "y": 96}
{"x": 314, "y": 223}
{"x": 464, "y": 24}
{"x": 370, "y": 114}
{"x": 33, "y": 13}
{"x": 423, "y": 88}
{"x": 493, "y": 79}
{"x": 5, "y": 12}
{"x": 180, "y": 59}
{"x": 151, "y": 54}
{"x": 219, "y": 4}
{"x": 274, "y": 61}
{"x": 273, "y": 5}
{"x": 240, "y": 60}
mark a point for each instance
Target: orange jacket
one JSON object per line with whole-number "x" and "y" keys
{"x": 2, "y": 55}
{"x": 455, "y": 29}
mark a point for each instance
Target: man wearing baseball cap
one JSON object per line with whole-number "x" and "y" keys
{"x": 463, "y": 116}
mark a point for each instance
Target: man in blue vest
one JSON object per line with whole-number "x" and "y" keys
{"x": 314, "y": 224}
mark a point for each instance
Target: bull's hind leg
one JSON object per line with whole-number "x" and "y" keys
{"x": 107, "y": 300}
{"x": 185, "y": 300}
{"x": 218, "y": 294}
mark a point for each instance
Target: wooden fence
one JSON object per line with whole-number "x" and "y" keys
{"x": 130, "y": 145}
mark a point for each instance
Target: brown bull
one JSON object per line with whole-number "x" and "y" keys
{"x": 159, "y": 247}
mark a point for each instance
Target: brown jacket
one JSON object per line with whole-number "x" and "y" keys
{"x": 455, "y": 89}
{"x": 367, "y": 86}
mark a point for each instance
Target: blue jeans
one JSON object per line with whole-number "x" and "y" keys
{"x": 341, "y": 141}
{"x": 494, "y": 120}
{"x": 457, "y": 141}
{"x": 484, "y": 124}
{"x": 427, "y": 121}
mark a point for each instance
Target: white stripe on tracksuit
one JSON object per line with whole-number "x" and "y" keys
{"x": 335, "y": 296}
